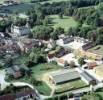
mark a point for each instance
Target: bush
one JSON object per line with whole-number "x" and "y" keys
{"x": 54, "y": 62}
{"x": 63, "y": 97}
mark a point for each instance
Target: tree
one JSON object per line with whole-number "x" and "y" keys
{"x": 61, "y": 15}
{"x": 54, "y": 35}
{"x": 81, "y": 61}
{"x": 4, "y": 24}
{"x": 42, "y": 32}
{"x": 59, "y": 30}
{"x": 99, "y": 39}
{"x": 46, "y": 21}
{"x": 37, "y": 56}
{"x": 8, "y": 62}
{"x": 19, "y": 21}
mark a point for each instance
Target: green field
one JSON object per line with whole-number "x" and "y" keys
{"x": 40, "y": 69}
{"x": 66, "y": 22}
{"x": 70, "y": 86}
{"x": 44, "y": 89}
{"x": 97, "y": 49}
{"x": 97, "y": 95}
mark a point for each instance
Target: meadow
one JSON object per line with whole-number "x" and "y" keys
{"x": 66, "y": 22}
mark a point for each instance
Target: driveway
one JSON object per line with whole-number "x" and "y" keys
{"x": 2, "y": 79}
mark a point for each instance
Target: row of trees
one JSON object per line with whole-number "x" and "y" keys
{"x": 64, "y": 7}
{"x": 46, "y": 32}
{"x": 89, "y": 32}
{"x": 36, "y": 56}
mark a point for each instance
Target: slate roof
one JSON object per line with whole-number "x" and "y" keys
{"x": 64, "y": 76}
{"x": 7, "y": 97}
{"x": 68, "y": 39}
{"x": 23, "y": 94}
{"x": 87, "y": 76}
{"x": 18, "y": 95}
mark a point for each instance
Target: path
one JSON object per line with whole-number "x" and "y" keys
{"x": 2, "y": 79}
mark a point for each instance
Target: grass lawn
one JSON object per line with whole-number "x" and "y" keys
{"x": 98, "y": 95}
{"x": 91, "y": 97}
{"x": 97, "y": 49}
{"x": 70, "y": 86}
{"x": 40, "y": 69}
{"x": 44, "y": 89}
{"x": 65, "y": 23}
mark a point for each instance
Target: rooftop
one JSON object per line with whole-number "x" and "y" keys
{"x": 64, "y": 75}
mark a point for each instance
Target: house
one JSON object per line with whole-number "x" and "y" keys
{"x": 17, "y": 31}
{"x": 2, "y": 35}
{"x": 17, "y": 70}
{"x": 11, "y": 2}
{"x": 27, "y": 45}
{"x": 91, "y": 65}
{"x": 16, "y": 74}
{"x": 88, "y": 45}
{"x": 54, "y": 54}
{"x": 31, "y": 94}
{"x": 87, "y": 78}
{"x": 70, "y": 57}
{"x": 61, "y": 36}
{"x": 51, "y": 44}
{"x": 22, "y": 94}
{"x": 63, "y": 41}
{"x": 23, "y": 15}
{"x": 9, "y": 46}
{"x": 51, "y": 57}
{"x": 62, "y": 76}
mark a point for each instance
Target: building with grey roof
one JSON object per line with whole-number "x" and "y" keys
{"x": 87, "y": 78}
{"x": 60, "y": 77}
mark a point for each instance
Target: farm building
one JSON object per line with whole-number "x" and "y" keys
{"x": 87, "y": 78}
{"x": 60, "y": 77}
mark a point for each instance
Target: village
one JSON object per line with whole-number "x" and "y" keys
{"x": 67, "y": 67}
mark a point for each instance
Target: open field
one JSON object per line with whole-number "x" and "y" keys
{"x": 66, "y": 22}
{"x": 71, "y": 85}
{"x": 40, "y": 69}
{"x": 97, "y": 49}
{"x": 44, "y": 89}
{"x": 51, "y": 1}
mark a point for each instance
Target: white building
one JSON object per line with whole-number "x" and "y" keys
{"x": 20, "y": 30}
